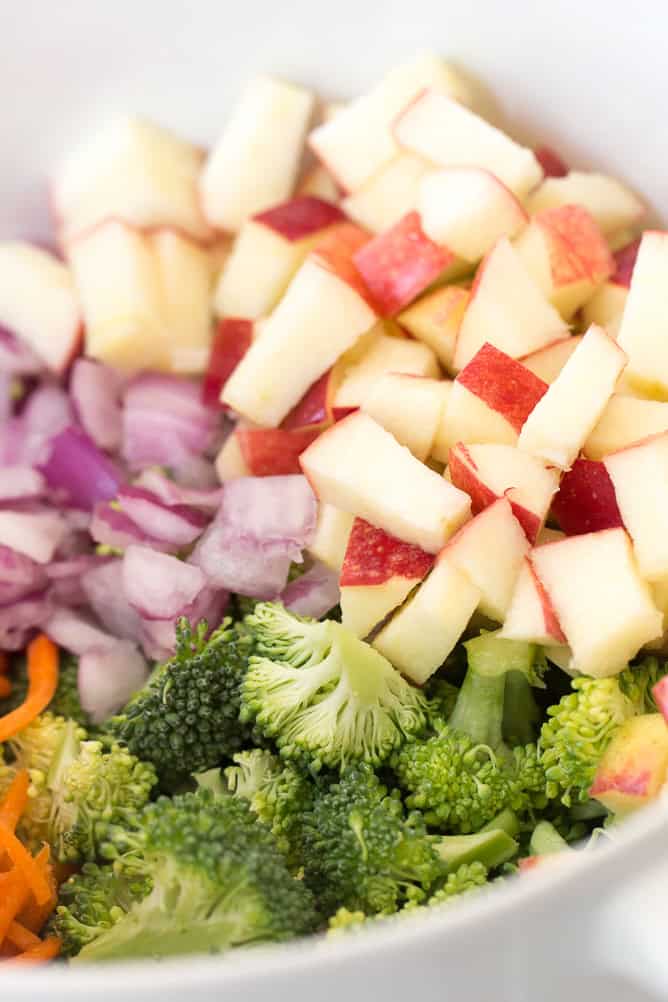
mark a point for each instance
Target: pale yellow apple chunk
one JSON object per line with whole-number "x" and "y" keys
{"x": 257, "y": 272}
{"x": 624, "y": 421}
{"x": 606, "y": 307}
{"x": 419, "y": 637}
{"x": 526, "y": 619}
{"x": 548, "y": 362}
{"x": 186, "y": 271}
{"x": 230, "y": 462}
{"x": 640, "y": 477}
{"x": 565, "y": 416}
{"x": 387, "y": 196}
{"x": 379, "y": 354}
{"x": 632, "y": 771}
{"x": 410, "y": 407}
{"x": 467, "y": 418}
{"x": 361, "y": 468}
{"x": 603, "y": 605}
{"x": 330, "y": 539}
{"x": 319, "y": 317}
{"x": 436, "y": 318}
{"x": 643, "y": 333}
{"x": 365, "y": 606}
{"x": 612, "y": 204}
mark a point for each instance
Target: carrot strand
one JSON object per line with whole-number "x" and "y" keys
{"x": 13, "y": 894}
{"x": 34, "y": 916}
{"x": 42, "y": 683}
{"x": 46, "y": 950}
{"x": 20, "y": 937}
{"x": 23, "y": 861}
{"x": 15, "y": 800}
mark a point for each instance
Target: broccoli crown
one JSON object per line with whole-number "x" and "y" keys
{"x": 217, "y": 880}
{"x": 323, "y": 695}
{"x": 277, "y": 792}
{"x": 637, "y": 683}
{"x": 442, "y": 696}
{"x": 186, "y": 718}
{"x": 466, "y": 878}
{"x": 579, "y": 729}
{"x": 65, "y": 703}
{"x": 360, "y": 850}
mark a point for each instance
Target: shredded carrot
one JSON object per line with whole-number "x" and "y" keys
{"x": 5, "y": 687}
{"x": 47, "y": 949}
{"x": 23, "y": 861}
{"x": 15, "y": 800}
{"x": 42, "y": 682}
{"x": 13, "y": 894}
{"x": 20, "y": 937}
{"x": 32, "y": 915}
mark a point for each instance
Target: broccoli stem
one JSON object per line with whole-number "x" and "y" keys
{"x": 478, "y": 711}
{"x": 520, "y": 712}
{"x": 507, "y": 821}
{"x": 546, "y": 840}
{"x": 491, "y": 847}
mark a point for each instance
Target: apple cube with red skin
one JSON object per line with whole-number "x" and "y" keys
{"x": 233, "y": 338}
{"x": 273, "y": 452}
{"x": 255, "y": 163}
{"x": 358, "y": 371}
{"x": 388, "y": 195}
{"x": 624, "y": 421}
{"x": 586, "y": 500}
{"x": 606, "y": 306}
{"x": 604, "y": 607}
{"x": 410, "y": 407}
{"x": 506, "y": 309}
{"x": 530, "y": 616}
{"x": 550, "y": 161}
{"x": 319, "y": 183}
{"x": 399, "y": 264}
{"x": 632, "y": 771}
{"x": 38, "y": 303}
{"x": 358, "y": 466}
{"x": 315, "y": 409}
{"x": 420, "y": 636}
{"x": 435, "y": 320}
{"x": 268, "y": 250}
{"x": 612, "y": 204}
{"x": 566, "y": 255}
{"x": 644, "y": 329}
{"x": 563, "y": 419}
{"x": 330, "y": 538}
{"x": 491, "y": 471}
{"x": 547, "y": 363}
{"x": 379, "y": 571}
{"x": 336, "y": 250}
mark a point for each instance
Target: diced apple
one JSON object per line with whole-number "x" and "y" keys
{"x": 133, "y": 171}
{"x": 255, "y": 163}
{"x": 273, "y": 452}
{"x": 319, "y": 318}
{"x": 639, "y": 476}
{"x": 316, "y": 407}
{"x": 38, "y": 303}
{"x": 231, "y": 341}
{"x": 612, "y": 204}
{"x": 419, "y": 637}
{"x": 490, "y": 471}
{"x": 374, "y": 356}
{"x": 563, "y": 419}
{"x": 660, "y": 694}
{"x": 388, "y": 195}
{"x": 379, "y": 571}
{"x": 399, "y": 264}
{"x": 506, "y": 309}
{"x": 586, "y": 500}
{"x": 330, "y": 539}
{"x": 361, "y": 468}
{"x": 230, "y": 462}
{"x": 319, "y": 183}
{"x": 186, "y": 273}
{"x": 644, "y": 329}
{"x": 604, "y": 607}
{"x": 550, "y": 161}
{"x": 358, "y": 142}
{"x": 409, "y": 407}
{"x": 531, "y": 617}
{"x": 336, "y": 250}
{"x": 268, "y": 251}
{"x": 435, "y": 320}
{"x": 467, "y": 209}
{"x": 624, "y": 421}
{"x": 443, "y": 131}
{"x": 567, "y": 256}
{"x": 489, "y": 550}
{"x": 632, "y": 771}
{"x": 548, "y": 535}
{"x": 607, "y": 305}
{"x": 548, "y": 362}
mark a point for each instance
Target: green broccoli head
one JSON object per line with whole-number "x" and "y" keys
{"x": 218, "y": 880}
{"x": 186, "y": 718}
{"x": 360, "y": 850}
{"x": 323, "y": 695}
{"x": 65, "y": 703}
{"x": 466, "y": 878}
{"x": 579, "y": 729}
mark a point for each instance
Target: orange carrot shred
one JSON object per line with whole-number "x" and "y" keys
{"x": 5, "y": 687}
{"x": 32, "y": 915}
{"x": 24, "y": 862}
{"x": 15, "y": 799}
{"x": 47, "y": 949}
{"x": 13, "y": 894}
{"x": 20, "y": 937}
{"x": 42, "y": 683}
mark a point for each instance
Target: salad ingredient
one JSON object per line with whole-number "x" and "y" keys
{"x": 409, "y": 408}
{"x": 586, "y": 500}
{"x": 42, "y": 684}
{"x": 610, "y": 202}
{"x": 388, "y": 195}
{"x": 624, "y": 421}
{"x": 640, "y": 335}
{"x": 632, "y": 770}
{"x": 96, "y": 397}
{"x": 79, "y": 471}
{"x": 547, "y": 363}
{"x": 606, "y": 306}
{"x": 314, "y": 593}
{"x": 435, "y": 320}
{"x": 330, "y": 536}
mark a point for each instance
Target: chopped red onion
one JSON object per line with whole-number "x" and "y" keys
{"x": 112, "y": 527}
{"x": 77, "y": 633}
{"x": 19, "y": 619}
{"x": 78, "y": 470}
{"x": 314, "y": 593}
{"x": 20, "y": 482}
{"x": 171, "y": 493}
{"x": 95, "y": 390}
{"x": 178, "y": 525}
{"x": 23, "y": 438}
{"x": 19, "y": 576}
{"x": 6, "y": 401}
{"x": 36, "y": 535}
{"x": 103, "y": 587}
{"x": 158, "y": 636}
{"x": 16, "y": 358}
{"x": 198, "y": 471}
{"x": 66, "y": 577}
{"x": 157, "y": 585}
{"x": 108, "y": 677}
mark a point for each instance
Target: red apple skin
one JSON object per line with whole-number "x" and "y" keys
{"x": 232, "y": 340}
{"x": 552, "y": 624}
{"x": 314, "y": 408}
{"x": 336, "y": 251}
{"x": 273, "y": 452}
{"x": 550, "y": 161}
{"x": 339, "y": 413}
{"x": 503, "y": 383}
{"x": 578, "y": 248}
{"x": 633, "y": 784}
{"x": 660, "y": 693}
{"x": 625, "y": 261}
{"x": 400, "y": 263}
{"x": 300, "y": 217}
{"x": 585, "y": 501}
{"x": 529, "y": 863}
{"x": 374, "y": 556}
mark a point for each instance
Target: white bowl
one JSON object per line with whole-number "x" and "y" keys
{"x": 589, "y": 78}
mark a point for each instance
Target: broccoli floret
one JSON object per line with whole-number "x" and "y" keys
{"x": 545, "y": 840}
{"x": 466, "y": 878}
{"x": 637, "y": 683}
{"x": 277, "y": 792}
{"x": 186, "y": 718}
{"x": 65, "y": 703}
{"x": 323, "y": 695}
{"x": 579, "y": 729}
{"x": 217, "y": 881}
{"x": 442, "y": 696}
{"x": 360, "y": 850}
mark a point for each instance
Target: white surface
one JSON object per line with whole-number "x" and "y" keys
{"x": 590, "y": 79}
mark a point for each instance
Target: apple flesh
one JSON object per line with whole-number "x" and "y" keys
{"x": 467, "y": 209}
{"x": 315, "y": 409}
{"x": 660, "y": 694}
{"x": 358, "y": 466}
{"x": 506, "y": 309}
{"x": 255, "y": 163}
{"x": 38, "y": 303}
{"x": 379, "y": 571}
{"x": 273, "y": 452}
{"x": 186, "y": 271}
{"x": 612, "y": 204}
{"x": 267, "y": 252}
{"x": 230, "y": 462}
{"x": 632, "y": 771}
{"x": 624, "y": 421}
{"x": 567, "y": 256}
{"x": 317, "y": 182}
{"x": 604, "y": 607}
{"x": 375, "y": 355}
{"x": 336, "y": 250}
{"x": 435, "y": 320}
{"x": 563, "y": 419}
{"x": 233, "y": 338}
{"x": 586, "y": 500}
{"x": 606, "y": 307}
{"x": 330, "y": 539}
{"x": 491, "y": 471}
{"x": 420, "y": 636}
{"x": 388, "y": 195}
{"x": 548, "y": 362}
{"x": 409, "y": 407}
{"x": 644, "y": 328}
{"x": 530, "y": 616}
